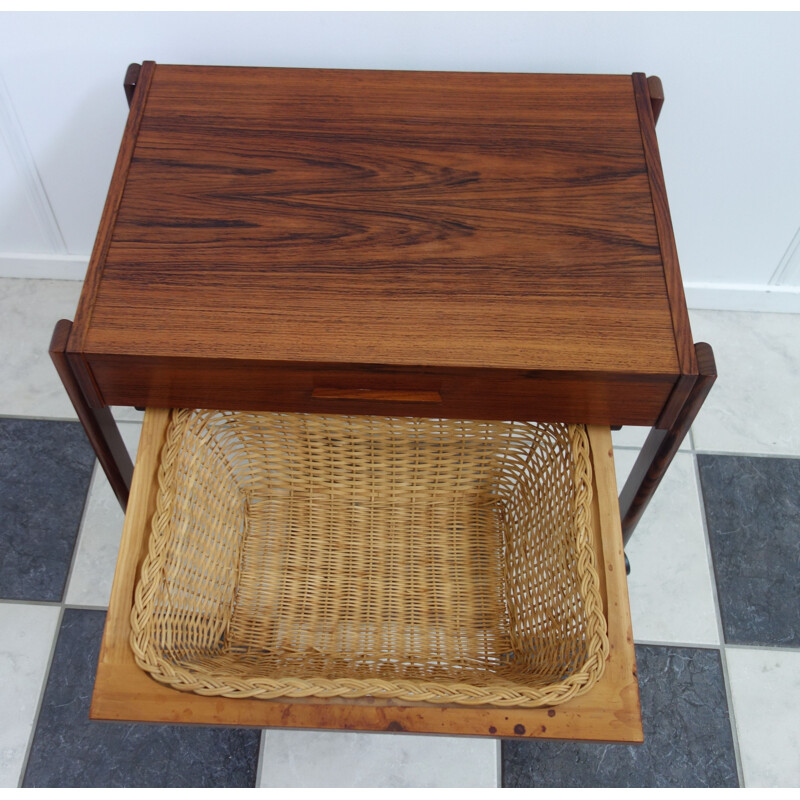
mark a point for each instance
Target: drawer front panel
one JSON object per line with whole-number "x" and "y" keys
{"x": 589, "y": 398}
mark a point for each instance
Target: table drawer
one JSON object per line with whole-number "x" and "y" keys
{"x": 475, "y": 393}
{"x": 609, "y": 711}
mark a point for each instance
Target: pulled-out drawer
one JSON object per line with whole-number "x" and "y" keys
{"x": 606, "y": 710}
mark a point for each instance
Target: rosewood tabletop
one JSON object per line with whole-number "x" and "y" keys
{"x": 427, "y": 243}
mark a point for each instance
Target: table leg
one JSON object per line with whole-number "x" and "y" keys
{"x": 661, "y": 445}
{"x": 130, "y": 81}
{"x": 98, "y": 423}
{"x": 656, "y": 91}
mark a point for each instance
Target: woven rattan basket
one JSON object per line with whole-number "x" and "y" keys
{"x": 296, "y": 555}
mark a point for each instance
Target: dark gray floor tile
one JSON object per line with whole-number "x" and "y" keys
{"x": 688, "y": 740}
{"x": 70, "y": 750}
{"x": 753, "y": 514}
{"x": 45, "y": 469}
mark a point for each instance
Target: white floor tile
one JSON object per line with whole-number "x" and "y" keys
{"x": 96, "y": 555}
{"x": 629, "y": 436}
{"x": 670, "y": 584}
{"x": 309, "y": 759}
{"x": 127, "y": 414}
{"x": 29, "y": 310}
{"x": 765, "y": 686}
{"x": 634, "y": 436}
{"x": 752, "y": 408}
{"x": 26, "y": 638}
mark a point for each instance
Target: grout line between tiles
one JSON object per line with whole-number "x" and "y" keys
{"x": 746, "y": 455}
{"x": 501, "y": 770}
{"x": 775, "y": 648}
{"x": 42, "y": 689}
{"x": 260, "y": 762}
{"x": 32, "y": 279}
{"x": 627, "y": 448}
{"x": 129, "y": 422}
{"x": 732, "y": 717}
{"x": 690, "y": 446}
{"x": 692, "y": 645}
{"x": 14, "y": 601}
{"x": 84, "y": 607}
{"x": 700, "y": 451}
{"x": 722, "y": 655}
{"x": 40, "y": 418}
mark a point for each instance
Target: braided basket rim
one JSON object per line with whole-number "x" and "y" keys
{"x": 498, "y": 691}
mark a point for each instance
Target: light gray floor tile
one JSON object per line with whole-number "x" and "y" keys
{"x": 634, "y": 436}
{"x": 294, "y": 758}
{"x": 29, "y": 310}
{"x": 752, "y": 408}
{"x": 670, "y": 584}
{"x": 765, "y": 686}
{"x": 127, "y": 414}
{"x": 26, "y": 638}
{"x": 96, "y": 553}
{"x": 629, "y": 436}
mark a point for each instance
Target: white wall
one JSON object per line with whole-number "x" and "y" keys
{"x": 728, "y": 132}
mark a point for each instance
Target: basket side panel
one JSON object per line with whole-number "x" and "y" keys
{"x": 190, "y": 576}
{"x": 545, "y": 605}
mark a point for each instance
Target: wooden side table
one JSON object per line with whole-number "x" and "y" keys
{"x": 474, "y": 245}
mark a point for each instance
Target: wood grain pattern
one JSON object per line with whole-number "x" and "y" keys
{"x": 676, "y": 401}
{"x": 108, "y": 220}
{"x": 581, "y": 397}
{"x": 609, "y": 712}
{"x": 406, "y": 219}
{"x": 666, "y": 237}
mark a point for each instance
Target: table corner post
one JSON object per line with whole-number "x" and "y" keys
{"x": 99, "y": 424}
{"x": 656, "y": 92}
{"x": 661, "y": 446}
{"x": 130, "y": 80}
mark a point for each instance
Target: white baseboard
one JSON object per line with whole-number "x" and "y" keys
{"x": 715, "y": 296}
{"x": 53, "y": 267}
{"x": 743, "y": 297}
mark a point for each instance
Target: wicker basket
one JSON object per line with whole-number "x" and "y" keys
{"x": 442, "y": 561}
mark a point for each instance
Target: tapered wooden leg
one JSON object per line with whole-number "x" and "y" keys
{"x": 99, "y": 425}
{"x": 661, "y": 445}
{"x": 656, "y": 91}
{"x": 129, "y": 83}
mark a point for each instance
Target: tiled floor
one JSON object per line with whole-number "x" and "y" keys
{"x": 715, "y": 598}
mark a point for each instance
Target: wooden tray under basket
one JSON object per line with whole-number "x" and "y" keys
{"x": 608, "y": 710}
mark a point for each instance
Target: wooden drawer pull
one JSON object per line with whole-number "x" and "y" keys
{"x": 389, "y": 395}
